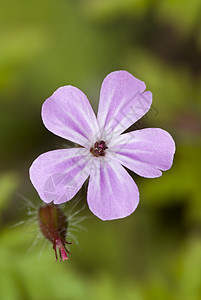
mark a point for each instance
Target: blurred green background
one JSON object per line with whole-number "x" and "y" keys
{"x": 156, "y": 252}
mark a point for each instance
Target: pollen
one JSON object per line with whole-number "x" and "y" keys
{"x": 99, "y": 149}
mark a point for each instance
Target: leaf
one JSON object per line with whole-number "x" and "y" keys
{"x": 8, "y": 184}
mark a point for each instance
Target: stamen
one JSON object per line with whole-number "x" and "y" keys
{"x": 99, "y": 149}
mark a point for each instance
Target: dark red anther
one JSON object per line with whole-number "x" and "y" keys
{"x": 98, "y": 149}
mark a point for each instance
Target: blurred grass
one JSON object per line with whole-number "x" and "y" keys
{"x": 156, "y": 252}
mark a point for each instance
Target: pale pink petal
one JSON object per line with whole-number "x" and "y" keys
{"x": 146, "y": 152}
{"x": 122, "y": 103}
{"x": 68, "y": 114}
{"x": 112, "y": 193}
{"x": 58, "y": 175}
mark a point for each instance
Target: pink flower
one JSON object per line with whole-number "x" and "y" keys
{"x": 112, "y": 193}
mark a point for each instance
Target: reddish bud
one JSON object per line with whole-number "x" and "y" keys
{"x": 53, "y": 224}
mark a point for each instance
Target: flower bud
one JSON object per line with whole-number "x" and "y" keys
{"x": 53, "y": 224}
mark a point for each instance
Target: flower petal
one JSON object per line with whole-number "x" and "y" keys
{"x": 58, "y": 175}
{"x": 145, "y": 151}
{"x": 122, "y": 102}
{"x": 112, "y": 193}
{"x": 68, "y": 114}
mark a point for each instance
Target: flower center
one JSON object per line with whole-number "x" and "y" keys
{"x": 98, "y": 149}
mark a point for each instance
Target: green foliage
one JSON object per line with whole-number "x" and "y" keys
{"x": 8, "y": 184}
